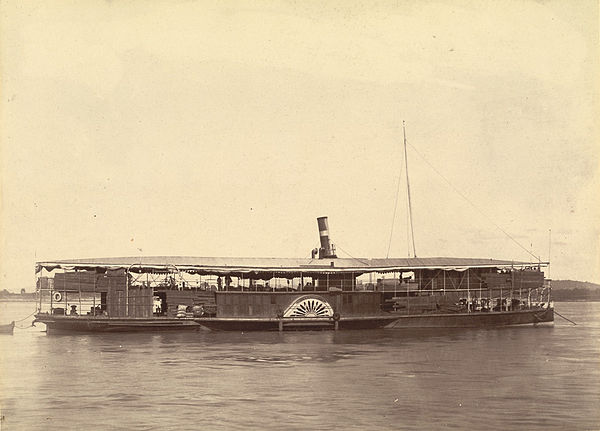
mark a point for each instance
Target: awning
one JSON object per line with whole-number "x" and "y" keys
{"x": 284, "y": 267}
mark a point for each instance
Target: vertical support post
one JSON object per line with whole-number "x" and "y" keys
{"x": 433, "y": 279}
{"x": 127, "y": 292}
{"x": 79, "y": 285}
{"x": 468, "y": 293}
{"x": 94, "y": 298}
{"x": 301, "y": 281}
{"x": 109, "y": 296}
{"x": 407, "y": 298}
{"x": 280, "y": 325}
{"x": 444, "y": 281}
{"x": 520, "y": 295}
{"x": 65, "y": 292}
{"x": 512, "y": 282}
{"x": 41, "y": 277}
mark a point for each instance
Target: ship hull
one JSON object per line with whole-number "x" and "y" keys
{"x": 475, "y": 320}
{"x": 68, "y": 324}
{"x": 62, "y": 324}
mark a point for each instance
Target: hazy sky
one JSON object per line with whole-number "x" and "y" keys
{"x": 225, "y": 128}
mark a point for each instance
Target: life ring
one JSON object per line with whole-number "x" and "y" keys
{"x": 336, "y": 316}
{"x": 57, "y": 297}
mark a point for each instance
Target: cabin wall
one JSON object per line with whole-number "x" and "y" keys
{"x": 188, "y": 298}
{"x": 344, "y": 282}
{"x": 132, "y": 302}
{"x": 418, "y": 304}
{"x": 438, "y": 279}
{"x": 270, "y": 304}
{"x": 479, "y": 278}
{"x": 517, "y": 279}
{"x": 44, "y": 283}
{"x": 116, "y": 302}
{"x": 140, "y": 302}
{"x": 528, "y": 279}
{"x": 498, "y": 280}
{"x": 89, "y": 281}
{"x": 360, "y": 303}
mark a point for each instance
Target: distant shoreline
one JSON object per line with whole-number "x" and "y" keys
{"x": 19, "y": 300}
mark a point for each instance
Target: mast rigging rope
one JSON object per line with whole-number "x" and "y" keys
{"x": 471, "y": 203}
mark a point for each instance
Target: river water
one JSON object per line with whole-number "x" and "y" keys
{"x": 545, "y": 377}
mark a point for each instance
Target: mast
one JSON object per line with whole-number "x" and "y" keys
{"x": 410, "y": 216}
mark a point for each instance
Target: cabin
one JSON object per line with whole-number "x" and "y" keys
{"x": 189, "y": 287}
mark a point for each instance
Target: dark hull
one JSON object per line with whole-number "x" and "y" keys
{"x": 475, "y": 320}
{"x": 392, "y": 321}
{"x": 298, "y": 324}
{"x": 61, "y": 324}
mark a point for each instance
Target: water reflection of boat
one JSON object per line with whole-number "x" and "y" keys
{"x": 321, "y": 292}
{"x": 8, "y": 328}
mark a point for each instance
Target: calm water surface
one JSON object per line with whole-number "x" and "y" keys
{"x": 506, "y": 378}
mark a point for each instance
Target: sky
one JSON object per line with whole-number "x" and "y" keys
{"x": 211, "y": 128}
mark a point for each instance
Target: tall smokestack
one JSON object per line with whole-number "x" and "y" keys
{"x": 327, "y": 249}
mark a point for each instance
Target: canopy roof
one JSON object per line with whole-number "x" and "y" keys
{"x": 249, "y": 265}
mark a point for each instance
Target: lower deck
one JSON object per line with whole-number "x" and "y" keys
{"x": 57, "y": 324}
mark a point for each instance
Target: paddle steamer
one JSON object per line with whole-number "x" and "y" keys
{"x": 321, "y": 292}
